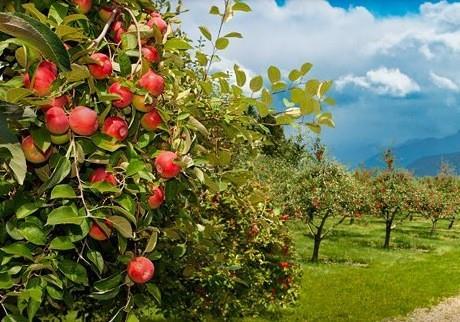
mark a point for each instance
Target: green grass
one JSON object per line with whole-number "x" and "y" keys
{"x": 357, "y": 280}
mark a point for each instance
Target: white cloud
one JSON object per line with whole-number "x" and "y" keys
{"x": 383, "y": 81}
{"x": 444, "y": 82}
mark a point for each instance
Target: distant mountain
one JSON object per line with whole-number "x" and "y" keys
{"x": 417, "y": 153}
{"x": 429, "y": 166}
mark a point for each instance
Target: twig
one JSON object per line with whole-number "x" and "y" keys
{"x": 104, "y": 30}
{"x": 139, "y": 42}
{"x": 77, "y": 174}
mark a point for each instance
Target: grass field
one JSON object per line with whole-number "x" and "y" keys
{"x": 357, "y": 280}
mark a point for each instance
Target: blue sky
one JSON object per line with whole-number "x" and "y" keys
{"x": 395, "y": 64}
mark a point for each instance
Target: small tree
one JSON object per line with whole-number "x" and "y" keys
{"x": 324, "y": 192}
{"x": 391, "y": 194}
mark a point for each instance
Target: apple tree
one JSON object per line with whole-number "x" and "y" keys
{"x": 120, "y": 190}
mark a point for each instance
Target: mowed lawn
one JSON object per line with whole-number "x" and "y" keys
{"x": 357, "y": 280}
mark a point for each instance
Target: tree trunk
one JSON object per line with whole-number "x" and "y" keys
{"x": 388, "y": 224}
{"x": 451, "y": 224}
{"x": 433, "y": 226}
{"x": 352, "y": 220}
{"x": 317, "y": 243}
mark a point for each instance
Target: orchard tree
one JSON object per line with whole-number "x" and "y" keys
{"x": 325, "y": 194}
{"x": 447, "y": 182}
{"x": 118, "y": 181}
{"x": 391, "y": 191}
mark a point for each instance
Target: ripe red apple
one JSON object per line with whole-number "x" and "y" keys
{"x": 105, "y": 13}
{"x": 60, "y": 101}
{"x": 165, "y": 166}
{"x": 151, "y": 120}
{"x": 139, "y": 103}
{"x": 126, "y": 96}
{"x": 101, "y": 175}
{"x": 84, "y": 6}
{"x": 118, "y": 31}
{"x": 157, "y": 198}
{"x": 153, "y": 83}
{"x": 254, "y": 230}
{"x": 42, "y": 80}
{"x": 157, "y": 21}
{"x": 115, "y": 127}
{"x": 102, "y": 68}
{"x": 56, "y": 121}
{"x": 283, "y": 265}
{"x": 98, "y": 232}
{"x": 83, "y": 121}
{"x": 32, "y": 153}
{"x": 60, "y": 139}
{"x": 140, "y": 270}
{"x": 151, "y": 54}
{"x": 284, "y": 218}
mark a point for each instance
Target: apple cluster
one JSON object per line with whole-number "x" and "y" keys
{"x": 66, "y": 121}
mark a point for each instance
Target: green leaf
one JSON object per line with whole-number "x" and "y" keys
{"x": 222, "y": 43}
{"x": 152, "y": 242}
{"x": 36, "y": 34}
{"x": 233, "y": 34}
{"x": 58, "y": 12}
{"x": 77, "y": 73}
{"x": 60, "y": 172}
{"x": 134, "y": 167}
{"x": 127, "y": 203}
{"x": 5, "y": 281}
{"x": 297, "y": 95}
{"x": 330, "y": 101}
{"x": 105, "y": 142}
{"x": 314, "y": 128}
{"x": 18, "y": 250}
{"x": 32, "y": 233}
{"x": 154, "y": 291}
{"x": 65, "y": 215}
{"x": 17, "y": 162}
{"x": 108, "y": 283}
{"x": 125, "y": 64}
{"x": 73, "y": 271}
{"x": 206, "y": 33}
{"x": 241, "y": 6}
{"x": 240, "y": 76}
{"x": 61, "y": 243}
{"x": 177, "y": 43}
{"x": 121, "y": 225}
{"x": 294, "y": 75}
{"x": 28, "y": 209}
{"x": 256, "y": 83}
{"x": 305, "y": 68}
{"x": 274, "y": 74}
{"x": 63, "y": 191}
{"x": 42, "y": 138}
{"x": 96, "y": 258}
{"x": 214, "y": 10}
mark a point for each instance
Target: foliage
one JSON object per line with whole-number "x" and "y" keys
{"x": 198, "y": 239}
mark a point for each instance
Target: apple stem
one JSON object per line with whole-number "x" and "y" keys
{"x": 105, "y": 29}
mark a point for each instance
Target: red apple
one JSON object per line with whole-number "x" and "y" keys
{"x": 115, "y": 127}
{"x": 83, "y": 121}
{"x": 151, "y": 120}
{"x": 126, "y": 96}
{"x": 102, "y": 68}
{"x": 118, "y": 30}
{"x": 157, "y": 21}
{"x": 56, "y": 121}
{"x": 165, "y": 165}
{"x": 101, "y": 175}
{"x": 42, "y": 80}
{"x": 283, "y": 265}
{"x": 105, "y": 13}
{"x": 139, "y": 103}
{"x": 32, "y": 153}
{"x": 153, "y": 83}
{"x": 140, "y": 270}
{"x": 60, "y": 102}
{"x": 157, "y": 198}
{"x": 284, "y": 218}
{"x": 151, "y": 54}
{"x": 84, "y": 6}
{"x": 99, "y": 232}
{"x": 254, "y": 230}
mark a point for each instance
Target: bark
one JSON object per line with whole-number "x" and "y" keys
{"x": 388, "y": 224}
{"x": 317, "y": 243}
{"x": 433, "y": 226}
{"x": 451, "y": 224}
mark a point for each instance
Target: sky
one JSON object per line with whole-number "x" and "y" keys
{"x": 395, "y": 64}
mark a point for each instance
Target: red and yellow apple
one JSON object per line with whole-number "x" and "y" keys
{"x": 56, "y": 120}
{"x": 99, "y": 231}
{"x": 102, "y": 68}
{"x": 43, "y": 78}
{"x": 140, "y": 270}
{"x": 140, "y": 105}
{"x": 151, "y": 54}
{"x": 152, "y": 82}
{"x": 32, "y": 153}
{"x": 84, "y": 6}
{"x": 157, "y": 198}
{"x": 151, "y": 120}
{"x": 166, "y": 166}
{"x": 83, "y": 121}
{"x": 101, "y": 175}
{"x": 158, "y": 21}
{"x": 115, "y": 127}
{"x": 126, "y": 96}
